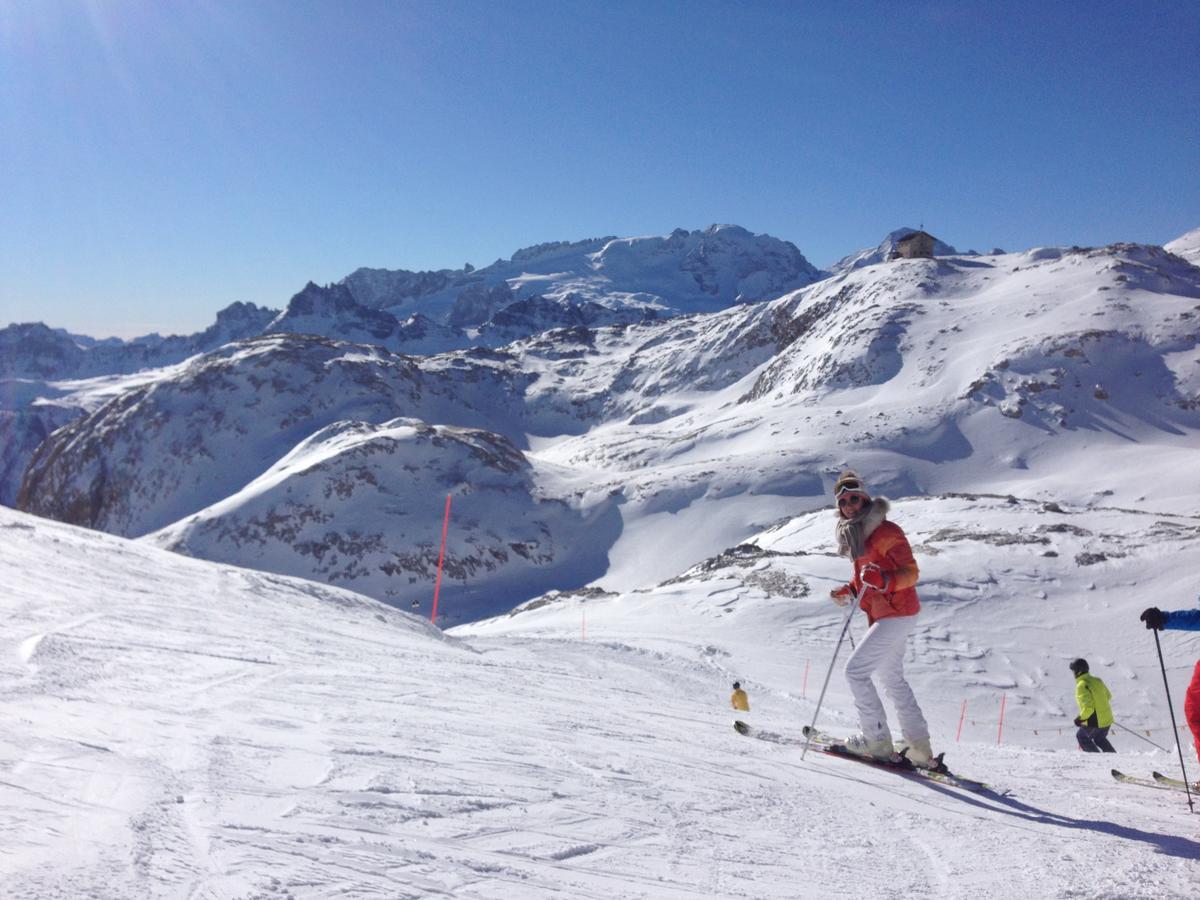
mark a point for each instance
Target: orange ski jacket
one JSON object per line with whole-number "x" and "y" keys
{"x": 888, "y": 548}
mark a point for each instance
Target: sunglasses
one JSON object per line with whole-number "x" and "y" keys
{"x": 850, "y": 500}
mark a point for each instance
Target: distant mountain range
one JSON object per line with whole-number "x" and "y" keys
{"x": 620, "y": 453}
{"x": 602, "y": 281}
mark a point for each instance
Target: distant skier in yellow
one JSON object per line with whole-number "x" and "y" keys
{"x": 741, "y": 703}
{"x": 739, "y": 699}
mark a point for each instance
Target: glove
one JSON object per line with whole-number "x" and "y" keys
{"x": 1079, "y": 721}
{"x": 1154, "y": 618}
{"x": 875, "y": 578}
{"x": 841, "y": 596}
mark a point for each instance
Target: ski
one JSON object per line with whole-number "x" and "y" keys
{"x": 1167, "y": 781}
{"x": 940, "y": 774}
{"x": 1145, "y": 782}
{"x": 770, "y": 736}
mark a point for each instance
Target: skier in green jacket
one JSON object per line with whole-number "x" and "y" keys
{"x": 1095, "y": 715}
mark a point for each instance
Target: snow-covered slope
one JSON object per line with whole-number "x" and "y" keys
{"x": 175, "y": 728}
{"x": 1012, "y": 590}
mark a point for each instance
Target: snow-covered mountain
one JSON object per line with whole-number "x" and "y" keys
{"x": 1186, "y": 246}
{"x": 333, "y": 312}
{"x": 674, "y": 439}
{"x": 351, "y": 504}
{"x": 205, "y": 430}
{"x": 562, "y": 284}
{"x": 681, "y": 273}
{"x": 34, "y": 351}
{"x": 883, "y": 252}
{"x": 595, "y": 282}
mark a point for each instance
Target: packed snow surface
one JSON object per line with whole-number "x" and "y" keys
{"x": 180, "y": 728}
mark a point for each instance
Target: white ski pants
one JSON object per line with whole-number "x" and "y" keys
{"x": 882, "y": 652}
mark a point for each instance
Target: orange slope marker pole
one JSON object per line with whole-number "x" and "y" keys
{"x": 437, "y": 585}
{"x": 1000, "y": 732}
{"x": 962, "y": 717}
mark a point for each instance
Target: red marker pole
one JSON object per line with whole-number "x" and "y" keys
{"x": 961, "y": 719}
{"x": 1000, "y": 733}
{"x": 437, "y": 585}
{"x": 804, "y": 687}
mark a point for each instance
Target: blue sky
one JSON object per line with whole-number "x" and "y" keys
{"x": 160, "y": 160}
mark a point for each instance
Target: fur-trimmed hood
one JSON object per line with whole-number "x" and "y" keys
{"x": 852, "y": 534}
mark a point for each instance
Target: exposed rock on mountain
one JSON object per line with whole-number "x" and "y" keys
{"x": 477, "y": 302}
{"x": 21, "y": 432}
{"x": 394, "y": 288}
{"x": 331, "y": 311}
{"x": 234, "y": 322}
{"x": 537, "y": 314}
{"x": 33, "y": 350}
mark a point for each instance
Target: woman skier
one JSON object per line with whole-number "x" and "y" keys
{"x": 885, "y": 574}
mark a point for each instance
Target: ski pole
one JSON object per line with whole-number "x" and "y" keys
{"x": 845, "y": 630}
{"x": 1146, "y": 739}
{"x": 1174, "y": 727}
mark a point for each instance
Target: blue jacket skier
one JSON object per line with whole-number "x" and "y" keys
{"x": 1182, "y": 620}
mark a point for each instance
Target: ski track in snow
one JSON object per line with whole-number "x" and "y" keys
{"x": 174, "y": 728}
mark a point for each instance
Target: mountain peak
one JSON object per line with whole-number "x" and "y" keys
{"x": 884, "y": 250}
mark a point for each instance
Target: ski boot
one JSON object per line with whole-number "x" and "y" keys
{"x": 880, "y": 749}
